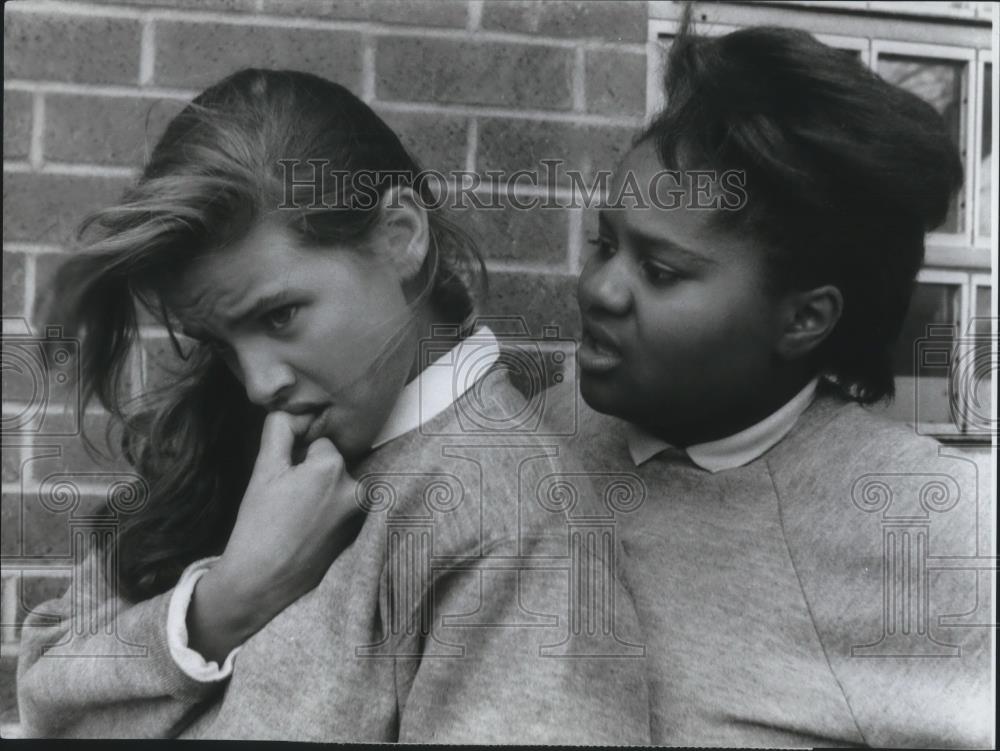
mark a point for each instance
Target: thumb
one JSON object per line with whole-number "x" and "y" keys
{"x": 276, "y": 442}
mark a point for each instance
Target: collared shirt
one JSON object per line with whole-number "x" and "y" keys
{"x": 734, "y": 450}
{"x": 434, "y": 389}
{"x": 440, "y": 384}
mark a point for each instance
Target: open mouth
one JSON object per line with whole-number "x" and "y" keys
{"x": 596, "y": 356}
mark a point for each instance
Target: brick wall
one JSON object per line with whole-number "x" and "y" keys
{"x": 469, "y": 84}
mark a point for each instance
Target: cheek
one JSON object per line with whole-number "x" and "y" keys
{"x": 363, "y": 360}
{"x": 701, "y": 324}
{"x": 353, "y": 333}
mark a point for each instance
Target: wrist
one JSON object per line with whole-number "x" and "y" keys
{"x": 230, "y": 604}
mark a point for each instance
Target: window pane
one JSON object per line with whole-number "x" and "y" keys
{"x": 922, "y": 389}
{"x": 975, "y": 383}
{"x": 982, "y": 314}
{"x": 932, "y": 304}
{"x": 986, "y": 155}
{"x": 941, "y": 83}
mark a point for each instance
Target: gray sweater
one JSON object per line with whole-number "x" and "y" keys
{"x": 474, "y": 606}
{"x": 823, "y": 594}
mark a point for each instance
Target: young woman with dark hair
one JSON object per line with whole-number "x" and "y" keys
{"x": 784, "y": 599}
{"x": 326, "y": 551}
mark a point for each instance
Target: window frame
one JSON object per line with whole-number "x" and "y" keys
{"x": 983, "y": 58}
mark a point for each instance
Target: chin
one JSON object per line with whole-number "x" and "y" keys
{"x": 347, "y": 445}
{"x": 601, "y": 396}
{"x": 613, "y": 398}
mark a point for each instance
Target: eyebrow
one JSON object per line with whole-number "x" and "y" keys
{"x": 261, "y": 305}
{"x": 258, "y": 307}
{"x": 645, "y": 242}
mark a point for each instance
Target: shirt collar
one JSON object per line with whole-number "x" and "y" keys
{"x": 734, "y": 450}
{"x": 440, "y": 384}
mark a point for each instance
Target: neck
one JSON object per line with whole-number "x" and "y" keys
{"x": 422, "y": 328}
{"x": 732, "y": 419}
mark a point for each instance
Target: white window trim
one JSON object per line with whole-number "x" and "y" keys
{"x": 862, "y": 45}
{"x": 979, "y": 241}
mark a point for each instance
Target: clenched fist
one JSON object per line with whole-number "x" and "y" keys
{"x": 293, "y": 522}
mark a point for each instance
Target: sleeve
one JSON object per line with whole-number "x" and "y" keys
{"x": 190, "y": 661}
{"x": 914, "y": 653}
{"x": 525, "y": 651}
{"x": 95, "y": 665}
{"x": 897, "y": 567}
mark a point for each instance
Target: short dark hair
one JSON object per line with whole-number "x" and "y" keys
{"x": 845, "y": 173}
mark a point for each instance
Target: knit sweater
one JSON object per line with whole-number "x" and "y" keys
{"x": 460, "y": 613}
{"x": 824, "y": 593}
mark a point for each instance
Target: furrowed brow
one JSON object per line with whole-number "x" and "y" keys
{"x": 260, "y": 306}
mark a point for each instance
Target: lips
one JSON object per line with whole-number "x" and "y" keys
{"x": 306, "y": 423}
{"x": 316, "y": 426}
{"x": 598, "y": 352}
{"x": 301, "y": 422}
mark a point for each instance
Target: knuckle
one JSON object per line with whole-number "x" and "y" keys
{"x": 325, "y": 460}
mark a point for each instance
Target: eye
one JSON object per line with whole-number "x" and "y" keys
{"x": 278, "y": 318}
{"x": 659, "y": 274}
{"x": 605, "y": 248}
{"x": 218, "y": 346}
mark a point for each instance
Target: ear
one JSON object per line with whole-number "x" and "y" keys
{"x": 809, "y": 318}
{"x": 404, "y": 231}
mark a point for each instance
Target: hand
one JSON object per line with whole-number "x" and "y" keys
{"x": 293, "y": 521}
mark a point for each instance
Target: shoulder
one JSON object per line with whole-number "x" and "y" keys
{"x": 848, "y": 478}
{"x": 838, "y": 439}
{"x": 883, "y": 527}
{"x": 491, "y": 468}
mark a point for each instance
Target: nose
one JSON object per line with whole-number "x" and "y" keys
{"x": 604, "y": 286}
{"x": 266, "y": 377}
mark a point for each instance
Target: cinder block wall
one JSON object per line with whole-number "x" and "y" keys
{"x": 469, "y": 84}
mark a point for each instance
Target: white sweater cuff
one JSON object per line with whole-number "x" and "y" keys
{"x": 190, "y": 661}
